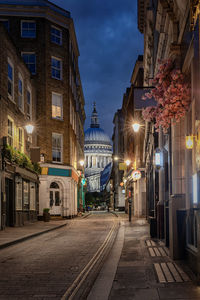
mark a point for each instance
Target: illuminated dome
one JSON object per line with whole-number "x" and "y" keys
{"x": 98, "y": 152}
{"x": 96, "y": 135}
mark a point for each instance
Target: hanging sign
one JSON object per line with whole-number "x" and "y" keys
{"x": 136, "y": 175}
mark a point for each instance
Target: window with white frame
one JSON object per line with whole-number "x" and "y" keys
{"x": 10, "y": 132}
{"x": 28, "y": 29}
{"x": 57, "y": 147}
{"x": 20, "y": 139}
{"x": 20, "y": 93}
{"x": 56, "y": 35}
{"x": 56, "y": 68}
{"x": 10, "y": 79}
{"x": 29, "y": 103}
{"x": 57, "y": 106}
{"x": 30, "y": 60}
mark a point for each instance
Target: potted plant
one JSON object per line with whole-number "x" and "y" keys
{"x": 46, "y": 215}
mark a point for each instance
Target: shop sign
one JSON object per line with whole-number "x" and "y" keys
{"x": 136, "y": 175}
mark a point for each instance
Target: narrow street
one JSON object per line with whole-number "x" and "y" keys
{"x": 100, "y": 257}
{"x": 45, "y": 267}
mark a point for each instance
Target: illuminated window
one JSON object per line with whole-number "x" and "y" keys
{"x": 57, "y": 147}
{"x": 20, "y": 139}
{"x": 10, "y": 132}
{"x": 20, "y": 93}
{"x": 28, "y": 29}
{"x": 56, "y": 35}
{"x": 57, "y": 106}
{"x": 56, "y": 68}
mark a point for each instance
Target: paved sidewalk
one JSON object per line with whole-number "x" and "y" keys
{"x": 13, "y": 235}
{"x": 145, "y": 271}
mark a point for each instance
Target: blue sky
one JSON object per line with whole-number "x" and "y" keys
{"x": 109, "y": 44}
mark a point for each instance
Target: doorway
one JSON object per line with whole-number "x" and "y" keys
{"x": 55, "y": 199}
{"x": 9, "y": 202}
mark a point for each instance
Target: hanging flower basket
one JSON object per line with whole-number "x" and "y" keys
{"x": 173, "y": 96}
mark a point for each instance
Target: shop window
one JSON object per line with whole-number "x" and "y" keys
{"x": 18, "y": 194}
{"x": 26, "y": 195}
{"x": 56, "y": 68}
{"x": 30, "y": 60}
{"x": 32, "y": 196}
{"x": 28, "y": 29}
{"x": 57, "y": 106}
{"x": 56, "y": 35}
{"x": 192, "y": 230}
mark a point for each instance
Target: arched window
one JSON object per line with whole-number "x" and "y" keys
{"x": 54, "y": 194}
{"x": 54, "y": 185}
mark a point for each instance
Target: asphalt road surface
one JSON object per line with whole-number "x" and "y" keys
{"x": 45, "y": 267}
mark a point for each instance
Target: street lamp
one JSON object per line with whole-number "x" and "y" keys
{"x": 136, "y": 126}
{"x": 127, "y": 162}
{"x": 29, "y": 128}
{"x": 81, "y": 162}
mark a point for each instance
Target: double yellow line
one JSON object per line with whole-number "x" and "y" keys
{"x": 73, "y": 289}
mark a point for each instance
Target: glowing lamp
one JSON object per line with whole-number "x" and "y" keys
{"x": 81, "y": 162}
{"x": 136, "y": 127}
{"x": 121, "y": 184}
{"x": 127, "y": 162}
{"x": 116, "y": 158}
{"x": 158, "y": 158}
{"x": 29, "y": 128}
{"x": 136, "y": 175}
{"x": 189, "y": 142}
{"x": 83, "y": 181}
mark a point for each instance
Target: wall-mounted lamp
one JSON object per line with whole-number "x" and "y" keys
{"x": 127, "y": 162}
{"x": 136, "y": 126}
{"x": 29, "y": 128}
{"x": 189, "y": 141}
{"x": 81, "y": 162}
{"x": 158, "y": 158}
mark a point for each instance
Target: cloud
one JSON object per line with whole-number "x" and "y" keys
{"x": 109, "y": 44}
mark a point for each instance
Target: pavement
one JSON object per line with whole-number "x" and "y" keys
{"x": 14, "y": 235}
{"x": 137, "y": 267}
{"x": 145, "y": 271}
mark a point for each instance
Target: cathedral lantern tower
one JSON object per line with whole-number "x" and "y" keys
{"x": 97, "y": 150}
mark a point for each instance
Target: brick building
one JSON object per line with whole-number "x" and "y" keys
{"x": 45, "y": 36}
{"x": 18, "y": 184}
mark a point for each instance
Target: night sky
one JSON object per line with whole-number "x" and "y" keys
{"x": 109, "y": 44}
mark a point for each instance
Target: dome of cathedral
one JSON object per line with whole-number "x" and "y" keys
{"x": 96, "y": 136}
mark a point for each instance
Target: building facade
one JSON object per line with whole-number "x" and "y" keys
{"x": 118, "y": 155}
{"x": 45, "y": 36}
{"x": 171, "y": 31}
{"x": 18, "y": 180}
{"x": 98, "y": 152}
